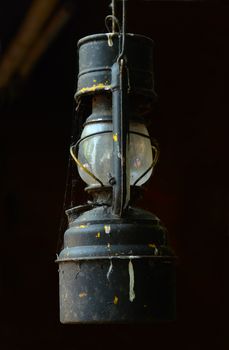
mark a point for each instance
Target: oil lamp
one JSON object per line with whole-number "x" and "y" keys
{"x": 115, "y": 265}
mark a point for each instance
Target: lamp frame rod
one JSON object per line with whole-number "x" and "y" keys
{"x": 121, "y": 182}
{"x": 113, "y": 7}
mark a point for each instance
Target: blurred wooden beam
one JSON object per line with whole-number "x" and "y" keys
{"x": 35, "y": 19}
{"x": 44, "y": 40}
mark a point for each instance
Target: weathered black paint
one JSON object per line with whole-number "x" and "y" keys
{"x": 88, "y": 295}
{"x": 96, "y": 58}
{"x": 94, "y": 268}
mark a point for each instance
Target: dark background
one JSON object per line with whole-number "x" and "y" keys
{"x": 189, "y": 190}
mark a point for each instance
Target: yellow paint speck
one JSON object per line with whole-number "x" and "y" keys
{"x": 95, "y": 87}
{"x": 98, "y": 235}
{"x": 115, "y": 137}
{"x": 115, "y": 301}
{"x": 82, "y": 295}
{"x": 107, "y": 229}
{"x": 83, "y": 226}
{"x": 151, "y": 245}
{"x": 94, "y": 80}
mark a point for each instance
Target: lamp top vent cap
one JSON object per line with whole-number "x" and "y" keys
{"x": 99, "y": 52}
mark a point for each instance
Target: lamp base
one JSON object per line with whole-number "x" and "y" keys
{"x": 116, "y": 269}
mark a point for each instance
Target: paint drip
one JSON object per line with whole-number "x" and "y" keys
{"x": 110, "y": 41}
{"x": 131, "y": 283}
{"x": 109, "y": 270}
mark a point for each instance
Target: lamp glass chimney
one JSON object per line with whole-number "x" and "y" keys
{"x": 96, "y": 147}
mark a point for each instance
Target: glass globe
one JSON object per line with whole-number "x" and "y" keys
{"x": 140, "y": 154}
{"x": 95, "y": 153}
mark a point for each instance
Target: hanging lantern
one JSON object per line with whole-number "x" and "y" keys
{"x": 115, "y": 265}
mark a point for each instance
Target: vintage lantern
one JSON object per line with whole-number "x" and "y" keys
{"x": 115, "y": 265}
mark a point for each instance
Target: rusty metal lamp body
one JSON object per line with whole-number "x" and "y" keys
{"x": 116, "y": 265}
